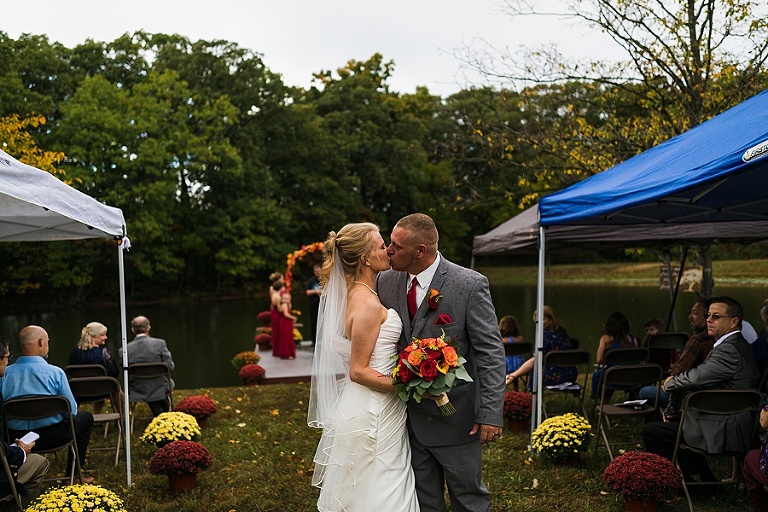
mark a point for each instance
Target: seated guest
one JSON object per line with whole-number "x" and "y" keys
{"x": 32, "y": 375}
{"x": 760, "y": 345}
{"x": 145, "y": 349}
{"x": 615, "y": 335}
{"x": 694, "y": 353}
{"x": 91, "y": 349}
{"x": 510, "y": 333}
{"x": 730, "y": 365}
{"x": 651, "y": 327}
{"x": 28, "y": 468}
{"x": 665, "y": 357}
{"x": 755, "y": 471}
{"x": 555, "y": 338}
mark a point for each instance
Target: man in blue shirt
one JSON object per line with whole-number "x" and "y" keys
{"x": 28, "y": 469}
{"x": 32, "y": 375}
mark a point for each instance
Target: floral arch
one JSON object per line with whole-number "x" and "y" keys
{"x": 297, "y": 256}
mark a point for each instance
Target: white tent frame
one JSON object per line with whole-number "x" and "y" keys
{"x": 35, "y": 206}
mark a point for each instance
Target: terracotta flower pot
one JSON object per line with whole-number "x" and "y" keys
{"x": 519, "y": 425}
{"x": 640, "y": 505}
{"x": 181, "y": 483}
{"x": 571, "y": 460}
{"x": 202, "y": 422}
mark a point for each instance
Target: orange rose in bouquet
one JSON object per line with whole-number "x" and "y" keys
{"x": 429, "y": 366}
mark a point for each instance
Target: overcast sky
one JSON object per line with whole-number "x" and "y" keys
{"x": 300, "y": 37}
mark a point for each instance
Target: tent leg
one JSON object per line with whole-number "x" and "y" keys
{"x": 124, "y": 335}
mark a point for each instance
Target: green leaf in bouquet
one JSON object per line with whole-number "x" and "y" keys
{"x": 461, "y": 373}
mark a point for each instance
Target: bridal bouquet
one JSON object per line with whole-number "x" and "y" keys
{"x": 429, "y": 366}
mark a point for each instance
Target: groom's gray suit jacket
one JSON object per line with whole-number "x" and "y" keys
{"x": 467, "y": 300}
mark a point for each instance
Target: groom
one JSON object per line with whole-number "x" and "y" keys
{"x": 447, "y": 449}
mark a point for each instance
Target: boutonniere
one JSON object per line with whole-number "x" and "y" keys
{"x": 433, "y": 298}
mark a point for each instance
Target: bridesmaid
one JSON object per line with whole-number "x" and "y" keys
{"x": 286, "y": 346}
{"x": 276, "y": 278}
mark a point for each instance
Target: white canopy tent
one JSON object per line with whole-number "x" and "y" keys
{"x": 35, "y": 206}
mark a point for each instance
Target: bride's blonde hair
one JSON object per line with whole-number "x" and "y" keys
{"x": 351, "y": 242}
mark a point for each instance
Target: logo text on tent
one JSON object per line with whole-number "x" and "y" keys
{"x": 757, "y": 151}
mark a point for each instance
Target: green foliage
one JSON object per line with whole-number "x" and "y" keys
{"x": 221, "y": 169}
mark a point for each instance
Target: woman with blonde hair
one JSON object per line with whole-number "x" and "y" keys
{"x": 92, "y": 349}
{"x": 275, "y": 299}
{"x": 363, "y": 459}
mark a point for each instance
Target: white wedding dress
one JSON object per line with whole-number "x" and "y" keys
{"x": 364, "y": 456}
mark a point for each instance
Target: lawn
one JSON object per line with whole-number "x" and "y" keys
{"x": 262, "y": 461}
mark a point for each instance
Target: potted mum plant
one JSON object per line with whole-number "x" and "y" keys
{"x": 517, "y": 410}
{"x": 167, "y": 427}
{"x": 84, "y": 497}
{"x": 263, "y": 340}
{"x": 199, "y": 406}
{"x": 562, "y": 438}
{"x": 243, "y": 358}
{"x": 252, "y": 374}
{"x": 643, "y": 479}
{"x": 181, "y": 461}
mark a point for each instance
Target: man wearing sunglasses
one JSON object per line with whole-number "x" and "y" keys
{"x": 730, "y": 365}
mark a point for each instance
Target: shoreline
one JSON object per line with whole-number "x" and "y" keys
{"x": 731, "y": 272}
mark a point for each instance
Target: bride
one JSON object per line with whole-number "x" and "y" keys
{"x": 363, "y": 460}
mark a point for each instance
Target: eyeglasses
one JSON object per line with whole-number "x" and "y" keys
{"x": 715, "y": 317}
{"x": 9, "y": 357}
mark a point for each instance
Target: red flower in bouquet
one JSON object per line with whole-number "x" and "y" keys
{"x": 433, "y": 298}
{"x": 429, "y": 366}
{"x": 517, "y": 405}
{"x": 199, "y": 406}
{"x": 642, "y": 476}
{"x": 180, "y": 458}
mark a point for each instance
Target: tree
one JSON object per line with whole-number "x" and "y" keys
{"x": 687, "y": 60}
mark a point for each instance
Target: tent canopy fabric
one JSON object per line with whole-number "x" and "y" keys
{"x": 520, "y": 235}
{"x": 703, "y": 186}
{"x": 714, "y": 172}
{"x": 37, "y": 206}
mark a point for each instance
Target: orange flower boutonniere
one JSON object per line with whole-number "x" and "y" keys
{"x": 433, "y": 298}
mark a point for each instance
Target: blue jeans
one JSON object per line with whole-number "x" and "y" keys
{"x": 649, "y": 393}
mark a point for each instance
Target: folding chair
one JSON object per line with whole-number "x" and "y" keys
{"x": 9, "y": 475}
{"x": 661, "y": 345}
{"x": 618, "y": 356}
{"x": 522, "y": 348}
{"x": 149, "y": 371}
{"x": 625, "y": 376}
{"x": 718, "y": 403}
{"x": 95, "y": 388}
{"x": 75, "y": 371}
{"x": 35, "y": 407}
{"x": 568, "y": 358}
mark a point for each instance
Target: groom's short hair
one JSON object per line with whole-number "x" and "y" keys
{"x": 422, "y": 226}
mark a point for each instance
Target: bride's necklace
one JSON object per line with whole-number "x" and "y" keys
{"x": 362, "y": 283}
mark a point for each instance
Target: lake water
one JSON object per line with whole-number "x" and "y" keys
{"x": 204, "y": 335}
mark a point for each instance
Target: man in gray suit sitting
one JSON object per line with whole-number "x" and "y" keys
{"x": 145, "y": 349}
{"x": 433, "y": 295}
{"x": 730, "y": 365}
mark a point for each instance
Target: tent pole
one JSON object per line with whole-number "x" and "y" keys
{"x": 677, "y": 286}
{"x": 538, "y": 382}
{"x": 124, "y": 335}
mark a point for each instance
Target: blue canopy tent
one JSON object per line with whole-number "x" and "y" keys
{"x": 714, "y": 173}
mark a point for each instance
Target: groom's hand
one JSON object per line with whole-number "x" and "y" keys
{"x": 488, "y": 433}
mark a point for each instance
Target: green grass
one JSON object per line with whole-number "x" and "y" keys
{"x": 262, "y": 461}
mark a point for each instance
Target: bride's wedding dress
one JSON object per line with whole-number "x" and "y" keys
{"x": 363, "y": 461}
